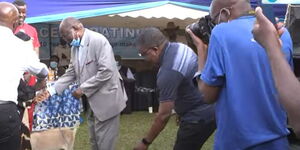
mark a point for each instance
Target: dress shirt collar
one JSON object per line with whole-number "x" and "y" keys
{"x": 166, "y": 46}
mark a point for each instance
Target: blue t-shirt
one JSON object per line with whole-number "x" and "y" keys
{"x": 247, "y": 111}
{"x": 178, "y": 64}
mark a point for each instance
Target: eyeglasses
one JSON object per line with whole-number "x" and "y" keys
{"x": 143, "y": 53}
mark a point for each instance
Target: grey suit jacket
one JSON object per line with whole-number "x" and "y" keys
{"x": 97, "y": 75}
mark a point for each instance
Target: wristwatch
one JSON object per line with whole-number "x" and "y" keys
{"x": 144, "y": 141}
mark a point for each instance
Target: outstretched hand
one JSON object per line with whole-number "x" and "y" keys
{"x": 77, "y": 93}
{"x": 41, "y": 96}
{"x": 140, "y": 146}
{"x": 41, "y": 84}
{"x": 265, "y": 33}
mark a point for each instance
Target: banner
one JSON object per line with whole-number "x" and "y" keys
{"x": 281, "y": 1}
{"x": 121, "y": 39}
{"x": 43, "y": 35}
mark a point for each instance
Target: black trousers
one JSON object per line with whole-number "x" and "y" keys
{"x": 10, "y": 127}
{"x": 191, "y": 136}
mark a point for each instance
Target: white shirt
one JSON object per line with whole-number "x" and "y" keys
{"x": 81, "y": 50}
{"x": 16, "y": 58}
{"x": 130, "y": 74}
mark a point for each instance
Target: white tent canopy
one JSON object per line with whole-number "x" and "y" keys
{"x": 168, "y": 11}
{"x": 157, "y": 16}
{"x": 122, "y": 28}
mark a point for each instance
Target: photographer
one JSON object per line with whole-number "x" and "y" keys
{"x": 201, "y": 29}
{"x": 235, "y": 73}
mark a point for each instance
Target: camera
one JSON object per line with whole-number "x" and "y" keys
{"x": 201, "y": 29}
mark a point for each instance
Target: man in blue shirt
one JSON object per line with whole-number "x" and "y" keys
{"x": 238, "y": 77}
{"x": 177, "y": 66}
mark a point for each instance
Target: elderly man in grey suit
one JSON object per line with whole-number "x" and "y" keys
{"x": 93, "y": 66}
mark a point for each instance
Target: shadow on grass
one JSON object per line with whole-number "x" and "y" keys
{"x": 132, "y": 129}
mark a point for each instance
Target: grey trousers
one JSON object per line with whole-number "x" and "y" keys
{"x": 103, "y": 134}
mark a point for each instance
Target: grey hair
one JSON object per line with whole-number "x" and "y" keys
{"x": 150, "y": 37}
{"x": 19, "y": 3}
{"x": 69, "y": 22}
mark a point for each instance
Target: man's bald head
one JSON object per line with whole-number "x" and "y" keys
{"x": 219, "y": 4}
{"x": 236, "y": 7}
{"x": 8, "y": 15}
{"x": 69, "y": 22}
{"x": 71, "y": 28}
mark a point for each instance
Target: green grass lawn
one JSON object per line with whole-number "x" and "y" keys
{"x": 133, "y": 127}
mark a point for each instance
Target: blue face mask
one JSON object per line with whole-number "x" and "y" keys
{"x": 75, "y": 42}
{"x": 53, "y": 64}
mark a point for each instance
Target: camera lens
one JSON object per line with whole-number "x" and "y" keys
{"x": 202, "y": 28}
